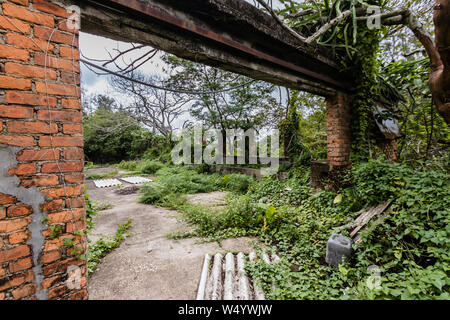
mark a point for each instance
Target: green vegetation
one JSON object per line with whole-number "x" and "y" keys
{"x": 172, "y": 181}
{"x": 411, "y": 246}
{"x": 102, "y": 247}
{"x": 96, "y": 176}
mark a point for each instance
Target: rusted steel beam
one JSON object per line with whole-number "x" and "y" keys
{"x": 145, "y": 8}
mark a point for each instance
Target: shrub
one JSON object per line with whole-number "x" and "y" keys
{"x": 129, "y": 165}
{"x": 150, "y": 167}
{"x": 151, "y": 193}
{"x": 236, "y": 182}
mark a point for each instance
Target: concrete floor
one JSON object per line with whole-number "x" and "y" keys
{"x": 148, "y": 265}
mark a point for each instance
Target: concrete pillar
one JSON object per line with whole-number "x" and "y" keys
{"x": 42, "y": 214}
{"x": 338, "y": 137}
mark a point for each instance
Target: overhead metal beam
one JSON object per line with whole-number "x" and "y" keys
{"x": 219, "y": 33}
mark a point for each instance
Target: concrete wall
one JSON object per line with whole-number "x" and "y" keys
{"x": 41, "y": 155}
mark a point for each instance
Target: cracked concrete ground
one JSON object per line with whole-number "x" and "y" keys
{"x": 148, "y": 265}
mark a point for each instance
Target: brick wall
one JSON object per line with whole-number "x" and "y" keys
{"x": 338, "y": 131}
{"x": 41, "y": 176}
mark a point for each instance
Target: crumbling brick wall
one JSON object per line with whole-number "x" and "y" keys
{"x": 42, "y": 214}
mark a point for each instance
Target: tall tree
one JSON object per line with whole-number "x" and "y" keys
{"x": 252, "y": 106}
{"x": 155, "y": 108}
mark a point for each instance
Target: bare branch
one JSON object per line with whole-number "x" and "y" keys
{"x": 344, "y": 15}
{"x": 277, "y": 19}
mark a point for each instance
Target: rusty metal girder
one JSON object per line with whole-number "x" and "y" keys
{"x": 254, "y": 42}
{"x": 144, "y": 7}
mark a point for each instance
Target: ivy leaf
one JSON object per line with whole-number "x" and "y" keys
{"x": 338, "y": 199}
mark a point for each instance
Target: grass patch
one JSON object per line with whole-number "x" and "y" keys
{"x": 97, "y": 176}
{"x": 97, "y": 251}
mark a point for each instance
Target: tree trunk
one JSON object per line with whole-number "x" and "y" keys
{"x": 440, "y": 73}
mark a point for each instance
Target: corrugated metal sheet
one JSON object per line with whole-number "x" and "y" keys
{"x": 136, "y": 180}
{"x": 224, "y": 278}
{"x": 106, "y": 183}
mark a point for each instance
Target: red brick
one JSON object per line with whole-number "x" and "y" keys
{"x": 71, "y": 104}
{"x": 56, "y": 36}
{"x": 61, "y": 142}
{"x": 61, "y": 266}
{"x": 14, "y": 53}
{"x": 69, "y": 52}
{"x": 57, "y": 89}
{"x": 75, "y": 203}
{"x": 19, "y": 210}
{"x": 56, "y": 244}
{"x": 57, "y": 63}
{"x": 50, "y": 256}
{"x": 1, "y": 245}
{"x": 7, "y": 226}
{"x": 54, "y": 115}
{"x": 19, "y": 141}
{"x": 40, "y": 181}
{"x": 23, "y": 169}
{"x": 25, "y": 42}
{"x": 51, "y": 206}
{"x": 80, "y": 295}
{"x": 68, "y": 191}
{"x": 72, "y": 129}
{"x": 58, "y": 291}
{"x": 14, "y": 254}
{"x": 62, "y": 167}
{"x": 66, "y": 216}
{"x": 76, "y": 178}
{"x": 73, "y": 154}
{"x": 29, "y": 71}
{"x": 20, "y": 265}
{"x": 17, "y": 280}
{"x": 38, "y": 155}
{"x": 14, "y": 25}
{"x": 31, "y": 127}
{"x": 25, "y": 291}
{"x": 19, "y": 237}
{"x": 70, "y": 77}
{"x": 51, "y": 8}
{"x": 30, "y": 99}
{"x": 73, "y": 226}
{"x": 25, "y": 14}
{"x": 16, "y": 112}
{"x": 7, "y": 199}
{"x": 21, "y": 2}
{"x": 50, "y": 282}
{"x": 14, "y": 83}
{"x": 2, "y": 213}
{"x": 2, "y": 272}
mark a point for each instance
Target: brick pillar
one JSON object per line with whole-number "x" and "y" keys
{"x": 338, "y": 137}
{"x": 41, "y": 154}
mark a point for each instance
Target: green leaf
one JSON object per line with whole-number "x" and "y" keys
{"x": 338, "y": 199}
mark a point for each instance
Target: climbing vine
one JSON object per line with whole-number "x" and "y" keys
{"x": 356, "y": 47}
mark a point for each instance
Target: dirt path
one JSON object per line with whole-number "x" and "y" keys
{"x": 147, "y": 265}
